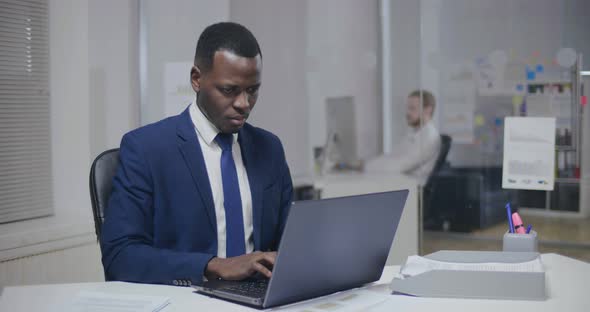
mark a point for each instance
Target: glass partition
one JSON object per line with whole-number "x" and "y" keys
{"x": 485, "y": 61}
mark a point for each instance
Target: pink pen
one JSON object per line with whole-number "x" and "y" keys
{"x": 518, "y": 226}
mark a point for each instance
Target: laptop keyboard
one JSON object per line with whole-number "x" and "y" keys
{"x": 254, "y": 289}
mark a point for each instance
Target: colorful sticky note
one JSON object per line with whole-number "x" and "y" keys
{"x": 584, "y": 100}
{"x": 530, "y": 75}
{"x": 480, "y": 120}
{"x": 512, "y": 54}
{"x": 539, "y": 68}
{"x": 498, "y": 121}
{"x": 516, "y": 100}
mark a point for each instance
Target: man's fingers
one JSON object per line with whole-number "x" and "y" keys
{"x": 269, "y": 257}
{"x": 262, "y": 269}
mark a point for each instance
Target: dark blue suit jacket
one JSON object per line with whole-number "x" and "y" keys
{"x": 160, "y": 223}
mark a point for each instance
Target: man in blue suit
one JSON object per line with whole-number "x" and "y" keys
{"x": 201, "y": 194}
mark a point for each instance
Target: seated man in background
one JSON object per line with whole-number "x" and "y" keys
{"x": 416, "y": 154}
{"x": 203, "y": 193}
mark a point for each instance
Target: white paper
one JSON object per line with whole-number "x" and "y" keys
{"x": 178, "y": 92}
{"x": 458, "y": 97}
{"x": 417, "y": 265}
{"x": 100, "y": 302}
{"x": 529, "y": 153}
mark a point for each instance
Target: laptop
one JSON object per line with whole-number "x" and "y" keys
{"x": 328, "y": 245}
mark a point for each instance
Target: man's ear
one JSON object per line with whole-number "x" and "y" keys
{"x": 428, "y": 111}
{"x": 196, "y": 78}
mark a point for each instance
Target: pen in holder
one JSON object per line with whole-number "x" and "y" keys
{"x": 520, "y": 242}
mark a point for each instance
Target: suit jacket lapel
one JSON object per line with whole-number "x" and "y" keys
{"x": 189, "y": 147}
{"x": 249, "y": 157}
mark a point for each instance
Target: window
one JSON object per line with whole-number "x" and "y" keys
{"x": 25, "y": 138}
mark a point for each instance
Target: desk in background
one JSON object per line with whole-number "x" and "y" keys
{"x": 354, "y": 183}
{"x": 566, "y": 280}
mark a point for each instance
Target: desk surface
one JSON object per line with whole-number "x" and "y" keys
{"x": 566, "y": 289}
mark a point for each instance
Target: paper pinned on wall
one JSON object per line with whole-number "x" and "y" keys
{"x": 457, "y": 119}
{"x": 178, "y": 93}
{"x": 529, "y": 153}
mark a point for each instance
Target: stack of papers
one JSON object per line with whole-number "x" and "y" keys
{"x": 417, "y": 265}
{"x": 101, "y": 302}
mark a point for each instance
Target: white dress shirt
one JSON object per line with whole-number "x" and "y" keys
{"x": 415, "y": 156}
{"x": 206, "y": 132}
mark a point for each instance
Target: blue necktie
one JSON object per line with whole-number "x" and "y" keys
{"x": 234, "y": 222}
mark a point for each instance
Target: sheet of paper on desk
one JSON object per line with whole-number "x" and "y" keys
{"x": 101, "y": 302}
{"x": 417, "y": 265}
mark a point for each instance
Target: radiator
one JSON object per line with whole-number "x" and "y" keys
{"x": 71, "y": 265}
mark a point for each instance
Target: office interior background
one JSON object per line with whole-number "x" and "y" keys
{"x": 101, "y": 68}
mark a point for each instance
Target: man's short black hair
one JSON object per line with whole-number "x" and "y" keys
{"x": 226, "y": 36}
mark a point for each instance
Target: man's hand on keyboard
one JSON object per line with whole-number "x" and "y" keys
{"x": 241, "y": 267}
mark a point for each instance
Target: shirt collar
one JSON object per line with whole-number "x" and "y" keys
{"x": 205, "y": 128}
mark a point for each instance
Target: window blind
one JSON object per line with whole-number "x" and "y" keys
{"x": 25, "y": 138}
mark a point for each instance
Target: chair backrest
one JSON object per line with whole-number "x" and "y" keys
{"x": 431, "y": 217}
{"x": 445, "y": 146}
{"x": 102, "y": 172}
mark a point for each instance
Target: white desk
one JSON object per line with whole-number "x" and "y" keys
{"x": 567, "y": 289}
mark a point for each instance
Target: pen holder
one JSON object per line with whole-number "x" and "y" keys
{"x": 520, "y": 242}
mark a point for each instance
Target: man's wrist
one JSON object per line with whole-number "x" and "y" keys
{"x": 212, "y": 271}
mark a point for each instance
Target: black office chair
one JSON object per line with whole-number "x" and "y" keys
{"x": 102, "y": 172}
{"x": 445, "y": 146}
{"x": 430, "y": 186}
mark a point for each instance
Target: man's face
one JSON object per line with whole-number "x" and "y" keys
{"x": 413, "y": 113}
{"x": 228, "y": 92}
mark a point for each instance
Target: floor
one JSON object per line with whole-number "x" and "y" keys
{"x": 566, "y": 236}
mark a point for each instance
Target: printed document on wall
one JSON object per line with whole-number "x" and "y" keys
{"x": 529, "y": 153}
{"x": 178, "y": 92}
{"x": 457, "y": 117}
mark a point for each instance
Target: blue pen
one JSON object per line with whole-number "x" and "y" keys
{"x": 509, "y": 212}
{"x": 528, "y": 229}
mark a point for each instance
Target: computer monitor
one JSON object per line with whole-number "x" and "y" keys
{"x": 341, "y": 139}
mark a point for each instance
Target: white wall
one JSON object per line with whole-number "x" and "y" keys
{"x": 172, "y": 30}
{"x": 69, "y": 87}
{"x": 281, "y": 30}
{"x": 308, "y": 56}
{"x": 405, "y": 61}
{"x": 78, "y": 264}
{"x": 342, "y": 59}
{"x": 113, "y": 49}
{"x": 78, "y": 129}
